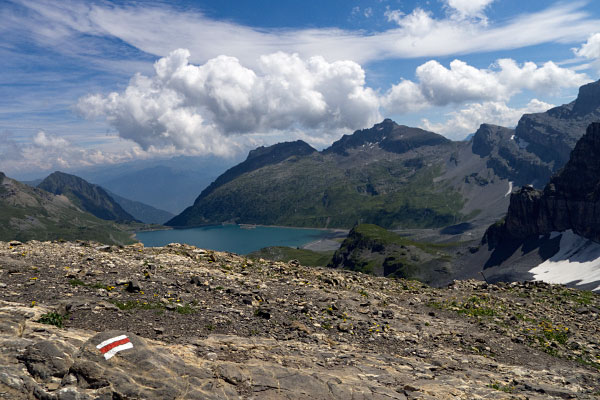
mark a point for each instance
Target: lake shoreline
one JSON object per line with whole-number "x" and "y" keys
{"x": 245, "y": 238}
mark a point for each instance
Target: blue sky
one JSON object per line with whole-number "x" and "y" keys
{"x": 95, "y": 82}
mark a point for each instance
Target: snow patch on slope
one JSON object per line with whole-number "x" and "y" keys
{"x": 578, "y": 260}
{"x": 510, "y": 188}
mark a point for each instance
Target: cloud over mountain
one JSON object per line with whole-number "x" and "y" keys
{"x": 201, "y": 106}
{"x": 204, "y": 109}
{"x": 468, "y": 118}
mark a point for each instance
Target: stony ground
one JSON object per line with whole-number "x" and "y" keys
{"x": 216, "y": 325}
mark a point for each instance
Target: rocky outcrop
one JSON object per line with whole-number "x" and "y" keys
{"x": 570, "y": 201}
{"x": 371, "y": 249}
{"x": 88, "y": 197}
{"x": 213, "y": 325}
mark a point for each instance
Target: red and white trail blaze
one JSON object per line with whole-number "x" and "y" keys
{"x": 110, "y": 347}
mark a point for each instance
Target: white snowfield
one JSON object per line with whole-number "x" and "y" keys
{"x": 578, "y": 260}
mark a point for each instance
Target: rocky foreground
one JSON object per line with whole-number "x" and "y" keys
{"x": 211, "y": 325}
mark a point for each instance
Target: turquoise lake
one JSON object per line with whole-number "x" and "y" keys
{"x": 233, "y": 238}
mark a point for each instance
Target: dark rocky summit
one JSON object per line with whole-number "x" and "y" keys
{"x": 88, "y": 197}
{"x": 257, "y": 158}
{"x": 571, "y": 200}
{"x": 389, "y": 136}
{"x": 213, "y": 325}
{"x": 552, "y": 135}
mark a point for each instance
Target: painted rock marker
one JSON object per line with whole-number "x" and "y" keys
{"x": 110, "y": 347}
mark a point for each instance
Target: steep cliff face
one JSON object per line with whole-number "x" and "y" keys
{"x": 551, "y": 135}
{"x": 571, "y": 200}
{"x": 508, "y": 157}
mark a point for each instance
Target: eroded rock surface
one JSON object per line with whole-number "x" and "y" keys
{"x": 212, "y": 325}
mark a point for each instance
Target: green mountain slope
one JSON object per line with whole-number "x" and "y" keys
{"x": 88, "y": 197}
{"x": 28, "y": 213}
{"x": 359, "y": 182}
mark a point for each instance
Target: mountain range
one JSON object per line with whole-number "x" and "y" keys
{"x": 396, "y": 176}
{"x": 169, "y": 185}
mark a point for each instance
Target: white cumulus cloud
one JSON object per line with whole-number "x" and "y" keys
{"x": 47, "y": 151}
{"x": 467, "y": 119}
{"x": 440, "y": 86}
{"x": 200, "y": 107}
{"x": 590, "y": 50}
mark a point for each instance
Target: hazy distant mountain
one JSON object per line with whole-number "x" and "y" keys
{"x": 89, "y": 197}
{"x": 169, "y": 185}
{"x": 396, "y": 176}
{"x": 28, "y": 213}
{"x": 142, "y": 212}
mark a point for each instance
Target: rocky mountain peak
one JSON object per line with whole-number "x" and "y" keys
{"x": 551, "y": 135}
{"x": 580, "y": 177}
{"x": 588, "y": 100}
{"x": 257, "y": 158}
{"x": 89, "y": 197}
{"x": 389, "y": 136}
{"x": 488, "y": 137}
{"x": 281, "y": 151}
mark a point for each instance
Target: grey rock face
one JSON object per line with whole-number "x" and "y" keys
{"x": 508, "y": 157}
{"x": 553, "y": 134}
{"x": 570, "y": 201}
